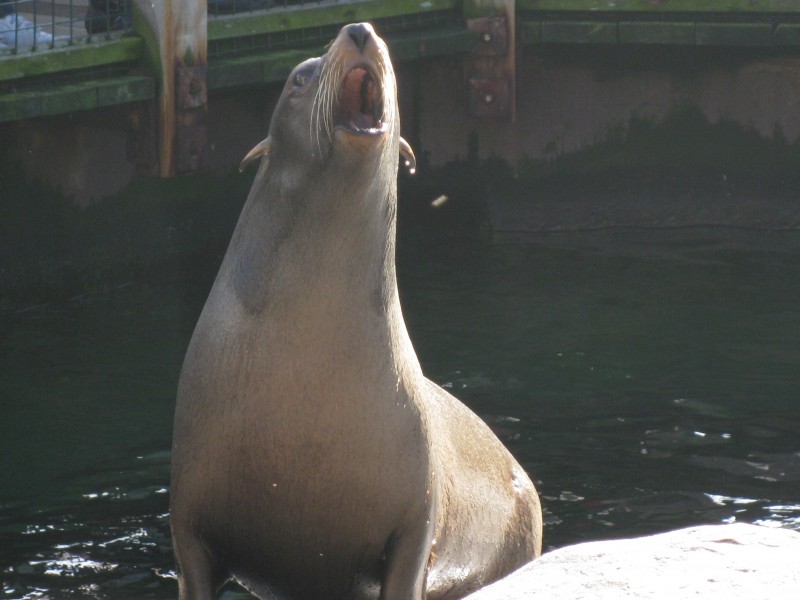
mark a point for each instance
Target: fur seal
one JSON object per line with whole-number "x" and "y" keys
{"x": 311, "y": 457}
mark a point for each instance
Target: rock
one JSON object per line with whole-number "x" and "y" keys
{"x": 710, "y": 562}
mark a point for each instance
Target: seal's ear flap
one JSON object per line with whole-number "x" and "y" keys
{"x": 262, "y": 148}
{"x": 407, "y": 153}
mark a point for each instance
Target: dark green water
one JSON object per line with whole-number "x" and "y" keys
{"x": 648, "y": 380}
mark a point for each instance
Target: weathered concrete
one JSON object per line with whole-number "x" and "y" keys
{"x": 83, "y": 155}
{"x": 725, "y": 562}
{"x": 567, "y": 101}
{"x": 572, "y": 100}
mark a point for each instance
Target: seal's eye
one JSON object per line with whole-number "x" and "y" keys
{"x": 300, "y": 80}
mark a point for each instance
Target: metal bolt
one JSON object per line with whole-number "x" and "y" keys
{"x": 488, "y": 98}
{"x": 487, "y": 37}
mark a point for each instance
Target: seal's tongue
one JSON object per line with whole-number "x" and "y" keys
{"x": 360, "y": 108}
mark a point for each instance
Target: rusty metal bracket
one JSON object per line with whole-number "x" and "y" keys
{"x": 191, "y": 136}
{"x": 489, "y": 97}
{"x": 490, "y": 69}
{"x": 492, "y": 35}
{"x": 191, "y": 87}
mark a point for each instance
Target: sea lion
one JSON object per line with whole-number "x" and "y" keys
{"x": 311, "y": 457}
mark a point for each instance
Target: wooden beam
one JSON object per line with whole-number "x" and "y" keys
{"x": 674, "y": 33}
{"x": 579, "y": 32}
{"x": 645, "y": 32}
{"x": 733, "y": 34}
{"x": 662, "y": 6}
{"x": 275, "y": 66}
{"x": 432, "y": 42}
{"x": 304, "y": 16}
{"x": 80, "y": 55}
{"x": 69, "y": 97}
{"x": 177, "y": 47}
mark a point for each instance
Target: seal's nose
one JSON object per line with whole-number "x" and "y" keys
{"x": 360, "y": 34}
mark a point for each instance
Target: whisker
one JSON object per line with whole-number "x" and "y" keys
{"x": 314, "y": 109}
{"x": 325, "y": 102}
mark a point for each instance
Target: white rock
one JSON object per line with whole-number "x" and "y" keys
{"x": 710, "y": 562}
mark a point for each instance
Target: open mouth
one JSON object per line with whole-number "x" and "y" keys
{"x": 360, "y": 104}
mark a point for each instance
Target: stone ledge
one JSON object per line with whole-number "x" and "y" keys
{"x": 727, "y": 562}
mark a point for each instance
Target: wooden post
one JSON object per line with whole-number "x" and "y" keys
{"x": 175, "y": 34}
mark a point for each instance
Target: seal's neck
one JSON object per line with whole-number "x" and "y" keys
{"x": 326, "y": 243}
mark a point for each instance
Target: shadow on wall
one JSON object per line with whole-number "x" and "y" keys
{"x": 682, "y": 171}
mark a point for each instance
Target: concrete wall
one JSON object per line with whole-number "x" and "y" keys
{"x": 82, "y": 154}
{"x": 568, "y": 100}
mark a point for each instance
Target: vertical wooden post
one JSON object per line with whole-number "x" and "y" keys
{"x": 491, "y": 68}
{"x": 175, "y": 34}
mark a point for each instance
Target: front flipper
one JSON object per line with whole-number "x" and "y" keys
{"x": 199, "y": 575}
{"x": 408, "y": 553}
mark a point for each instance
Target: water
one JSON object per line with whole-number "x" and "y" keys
{"x": 648, "y": 380}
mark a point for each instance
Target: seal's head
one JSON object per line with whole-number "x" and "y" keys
{"x": 360, "y": 105}
{"x": 342, "y": 104}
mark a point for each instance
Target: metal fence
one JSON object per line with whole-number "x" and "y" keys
{"x": 29, "y": 25}
{"x": 218, "y": 8}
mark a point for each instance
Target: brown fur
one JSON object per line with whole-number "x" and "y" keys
{"x": 311, "y": 457}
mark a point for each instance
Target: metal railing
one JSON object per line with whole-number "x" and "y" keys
{"x": 218, "y": 8}
{"x": 30, "y": 25}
